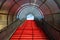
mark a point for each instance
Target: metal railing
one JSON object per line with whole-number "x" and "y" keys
{"x": 6, "y": 34}
{"x": 51, "y": 31}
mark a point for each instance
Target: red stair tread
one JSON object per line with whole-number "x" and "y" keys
{"x": 29, "y": 31}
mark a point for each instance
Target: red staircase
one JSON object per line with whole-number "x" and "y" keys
{"x": 29, "y": 31}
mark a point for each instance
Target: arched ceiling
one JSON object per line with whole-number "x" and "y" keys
{"x": 11, "y": 6}
{"x": 30, "y": 10}
{"x": 58, "y": 2}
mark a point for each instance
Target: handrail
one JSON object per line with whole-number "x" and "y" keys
{"x": 52, "y": 26}
{"x": 53, "y": 14}
{"x": 7, "y": 26}
{"x": 40, "y": 23}
{"x": 6, "y": 34}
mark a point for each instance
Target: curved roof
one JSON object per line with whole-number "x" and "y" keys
{"x": 11, "y": 6}
{"x": 30, "y": 10}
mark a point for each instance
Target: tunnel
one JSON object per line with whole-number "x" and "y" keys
{"x": 29, "y": 19}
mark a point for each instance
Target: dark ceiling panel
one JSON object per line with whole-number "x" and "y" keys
{"x": 17, "y": 5}
{"x": 7, "y": 5}
{"x": 57, "y": 2}
{"x": 23, "y": 2}
{"x": 14, "y": 9}
{"x": 2, "y": 2}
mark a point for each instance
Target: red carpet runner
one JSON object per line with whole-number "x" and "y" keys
{"x": 29, "y": 31}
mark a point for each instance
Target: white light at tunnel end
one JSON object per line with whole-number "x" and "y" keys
{"x": 30, "y": 4}
{"x": 30, "y": 17}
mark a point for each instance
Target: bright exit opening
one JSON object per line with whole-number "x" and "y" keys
{"x": 30, "y": 17}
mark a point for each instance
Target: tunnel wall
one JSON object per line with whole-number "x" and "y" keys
{"x": 49, "y": 8}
